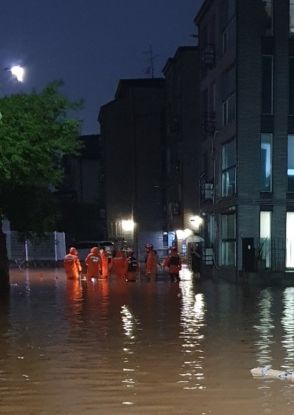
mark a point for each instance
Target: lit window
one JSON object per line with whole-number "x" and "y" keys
{"x": 265, "y": 237}
{"x": 290, "y": 170}
{"x": 228, "y": 239}
{"x": 290, "y": 240}
{"x": 229, "y": 169}
{"x": 291, "y": 85}
{"x": 291, "y": 17}
{"x": 266, "y": 163}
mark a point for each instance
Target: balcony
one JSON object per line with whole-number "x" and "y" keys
{"x": 209, "y": 123}
{"x": 206, "y": 191}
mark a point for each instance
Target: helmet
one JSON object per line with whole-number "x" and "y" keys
{"x": 149, "y": 246}
{"x": 174, "y": 249}
{"x": 73, "y": 250}
{"x": 94, "y": 250}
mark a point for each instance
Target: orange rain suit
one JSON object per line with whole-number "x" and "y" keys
{"x": 173, "y": 265}
{"x": 72, "y": 264}
{"x": 93, "y": 263}
{"x": 104, "y": 263}
{"x": 151, "y": 263}
{"x": 119, "y": 264}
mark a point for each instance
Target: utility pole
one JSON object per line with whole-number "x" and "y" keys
{"x": 151, "y": 58}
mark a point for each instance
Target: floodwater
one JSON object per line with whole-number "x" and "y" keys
{"x": 110, "y": 347}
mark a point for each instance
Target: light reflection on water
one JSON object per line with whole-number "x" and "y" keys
{"x": 265, "y": 328}
{"x": 288, "y": 326}
{"x": 129, "y": 324}
{"x": 192, "y": 334}
{"x": 109, "y": 347}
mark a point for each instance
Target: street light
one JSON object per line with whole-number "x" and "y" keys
{"x": 18, "y": 72}
{"x": 196, "y": 222}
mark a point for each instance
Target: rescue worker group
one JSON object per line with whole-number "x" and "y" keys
{"x": 98, "y": 264}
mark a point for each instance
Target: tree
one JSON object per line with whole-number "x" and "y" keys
{"x": 35, "y": 135}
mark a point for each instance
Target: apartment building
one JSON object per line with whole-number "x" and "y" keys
{"x": 133, "y": 140}
{"x": 247, "y": 108}
{"x": 183, "y": 142}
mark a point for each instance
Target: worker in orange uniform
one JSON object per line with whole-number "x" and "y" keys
{"x": 150, "y": 261}
{"x": 119, "y": 264}
{"x": 93, "y": 263}
{"x": 173, "y": 265}
{"x": 72, "y": 264}
{"x": 104, "y": 263}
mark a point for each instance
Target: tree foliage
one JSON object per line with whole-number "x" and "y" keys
{"x": 35, "y": 135}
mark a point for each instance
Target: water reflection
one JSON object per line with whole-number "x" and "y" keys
{"x": 75, "y": 301}
{"x": 265, "y": 328}
{"x": 287, "y": 322}
{"x": 192, "y": 324}
{"x": 130, "y": 368}
{"x": 88, "y": 347}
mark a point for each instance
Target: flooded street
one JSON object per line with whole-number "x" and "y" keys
{"x": 110, "y": 347}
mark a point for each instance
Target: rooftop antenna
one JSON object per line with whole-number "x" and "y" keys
{"x": 151, "y": 58}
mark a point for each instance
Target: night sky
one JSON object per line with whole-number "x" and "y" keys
{"x": 90, "y": 44}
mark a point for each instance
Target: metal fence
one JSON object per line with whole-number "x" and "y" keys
{"x": 48, "y": 249}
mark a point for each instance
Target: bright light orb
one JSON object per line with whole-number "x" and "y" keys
{"x": 18, "y": 72}
{"x": 127, "y": 225}
{"x": 196, "y": 221}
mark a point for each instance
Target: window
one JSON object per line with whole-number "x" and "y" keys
{"x": 228, "y": 239}
{"x": 266, "y": 163}
{"x": 227, "y": 11}
{"x": 212, "y": 97}
{"x": 290, "y": 170}
{"x": 229, "y": 37}
{"x": 204, "y": 105}
{"x": 228, "y": 87}
{"x": 225, "y": 40}
{"x": 228, "y": 82}
{"x": 267, "y": 84}
{"x": 291, "y": 18}
{"x": 291, "y": 85}
{"x": 265, "y": 237}
{"x": 267, "y": 13}
{"x": 290, "y": 240}
{"x": 212, "y": 30}
{"x": 229, "y": 169}
{"x": 229, "y": 110}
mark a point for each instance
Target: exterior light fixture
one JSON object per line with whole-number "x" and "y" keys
{"x": 127, "y": 225}
{"x": 196, "y": 221}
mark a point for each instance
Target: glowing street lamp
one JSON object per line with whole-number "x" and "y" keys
{"x": 18, "y": 72}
